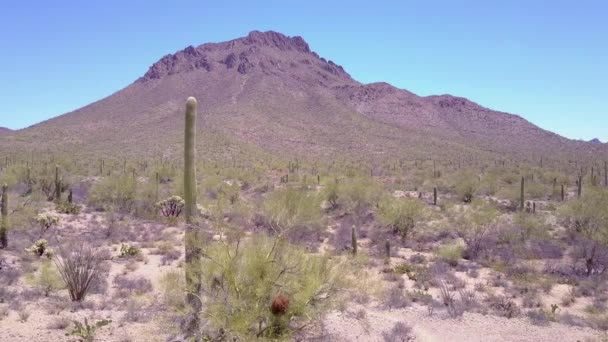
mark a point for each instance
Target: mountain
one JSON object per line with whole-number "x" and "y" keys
{"x": 4, "y": 130}
{"x": 271, "y": 92}
{"x": 595, "y": 141}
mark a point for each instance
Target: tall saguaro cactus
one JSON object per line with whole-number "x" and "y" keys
{"x": 606, "y": 174}
{"x": 57, "y": 185}
{"x": 580, "y": 186}
{"x": 521, "y": 196}
{"x": 192, "y": 239}
{"x": 4, "y": 222}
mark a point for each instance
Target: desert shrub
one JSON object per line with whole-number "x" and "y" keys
{"x": 127, "y": 251}
{"x": 132, "y": 285}
{"x": 531, "y": 226}
{"x": 173, "y": 288}
{"x": 289, "y": 208}
{"x": 400, "y": 332}
{"x": 59, "y": 323}
{"x": 264, "y": 283}
{"x": 78, "y": 268}
{"x": 118, "y": 192}
{"x": 466, "y": 185}
{"x": 401, "y": 215}
{"x": 41, "y": 248}
{"x": 46, "y": 220}
{"x": 536, "y": 190}
{"x": 474, "y": 225}
{"x": 587, "y": 219}
{"x": 488, "y": 185}
{"x": 450, "y": 253}
{"x": 395, "y": 298}
{"x": 358, "y": 194}
{"x": 330, "y": 193}
{"x": 46, "y": 279}
{"x": 68, "y": 208}
{"x": 503, "y": 306}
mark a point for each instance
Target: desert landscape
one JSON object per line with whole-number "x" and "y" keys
{"x": 253, "y": 190}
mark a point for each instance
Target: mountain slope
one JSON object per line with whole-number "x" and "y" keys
{"x": 272, "y": 91}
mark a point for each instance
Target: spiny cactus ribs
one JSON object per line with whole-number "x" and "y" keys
{"x": 280, "y": 305}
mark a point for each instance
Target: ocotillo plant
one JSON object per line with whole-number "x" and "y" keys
{"x": 521, "y": 196}
{"x": 354, "y": 240}
{"x": 192, "y": 236}
{"x": 57, "y": 185}
{"x": 4, "y": 222}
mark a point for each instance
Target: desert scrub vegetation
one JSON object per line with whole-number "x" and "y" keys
{"x": 117, "y": 192}
{"x": 401, "y": 216}
{"x": 290, "y": 208}
{"x": 264, "y": 287}
{"x": 474, "y": 223}
{"x": 587, "y": 219}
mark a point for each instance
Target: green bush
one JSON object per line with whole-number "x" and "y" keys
{"x": 401, "y": 215}
{"x": 118, "y": 192}
{"x": 47, "y": 278}
{"x": 243, "y": 283}
{"x": 358, "y": 194}
{"x": 450, "y": 253}
{"x": 288, "y": 208}
{"x": 466, "y": 185}
{"x": 474, "y": 224}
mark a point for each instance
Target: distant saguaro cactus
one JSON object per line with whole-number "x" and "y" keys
{"x": 57, "y": 184}
{"x": 192, "y": 241}
{"x": 580, "y": 186}
{"x": 563, "y": 194}
{"x": 354, "y": 240}
{"x": 435, "y": 196}
{"x": 521, "y": 196}
{"x": 606, "y": 174}
{"x": 387, "y": 249}
{"x": 4, "y": 222}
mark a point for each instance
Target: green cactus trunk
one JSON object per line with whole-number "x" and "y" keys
{"x": 387, "y": 249}
{"x": 354, "y": 240}
{"x": 606, "y": 174}
{"x": 57, "y": 185}
{"x": 192, "y": 241}
{"x": 4, "y": 222}
{"x": 521, "y": 196}
{"x": 157, "y": 182}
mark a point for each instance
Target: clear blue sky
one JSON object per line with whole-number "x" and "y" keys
{"x": 544, "y": 60}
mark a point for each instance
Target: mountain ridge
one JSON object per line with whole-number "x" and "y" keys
{"x": 273, "y": 92}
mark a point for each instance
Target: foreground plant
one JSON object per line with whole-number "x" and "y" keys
{"x": 40, "y": 248}
{"x": 46, "y": 220}
{"x": 78, "y": 268}
{"x": 171, "y": 207}
{"x": 260, "y": 287}
{"x": 85, "y": 331}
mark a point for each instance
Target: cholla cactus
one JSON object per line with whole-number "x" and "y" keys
{"x": 40, "y": 248}
{"x": 46, "y": 220}
{"x": 172, "y": 206}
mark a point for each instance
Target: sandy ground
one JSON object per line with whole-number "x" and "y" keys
{"x": 352, "y": 325}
